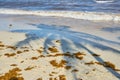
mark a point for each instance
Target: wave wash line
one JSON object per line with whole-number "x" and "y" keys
{"x": 96, "y": 16}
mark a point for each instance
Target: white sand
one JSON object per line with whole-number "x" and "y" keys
{"x": 33, "y": 32}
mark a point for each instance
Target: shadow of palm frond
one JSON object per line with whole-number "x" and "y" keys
{"x": 114, "y": 29}
{"x": 68, "y": 39}
{"x": 119, "y": 37}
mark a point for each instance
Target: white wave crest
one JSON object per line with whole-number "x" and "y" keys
{"x": 97, "y": 16}
{"x": 104, "y": 1}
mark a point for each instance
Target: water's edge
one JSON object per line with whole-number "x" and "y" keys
{"x": 95, "y": 16}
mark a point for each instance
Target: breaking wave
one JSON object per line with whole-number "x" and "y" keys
{"x": 97, "y": 16}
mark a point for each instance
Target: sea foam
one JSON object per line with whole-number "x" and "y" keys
{"x": 96, "y": 16}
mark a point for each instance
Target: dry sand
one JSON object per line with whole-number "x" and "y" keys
{"x": 54, "y": 48}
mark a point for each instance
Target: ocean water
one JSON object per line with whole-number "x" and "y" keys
{"x": 62, "y": 5}
{"x": 79, "y": 9}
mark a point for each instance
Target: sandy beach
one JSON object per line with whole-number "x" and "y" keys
{"x": 58, "y": 48}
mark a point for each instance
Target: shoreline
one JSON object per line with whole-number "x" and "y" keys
{"x": 93, "y": 16}
{"x": 45, "y": 48}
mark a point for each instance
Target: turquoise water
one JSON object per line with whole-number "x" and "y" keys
{"x": 66, "y": 5}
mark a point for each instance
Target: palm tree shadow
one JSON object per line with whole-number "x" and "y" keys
{"x": 67, "y": 38}
{"x": 112, "y": 30}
